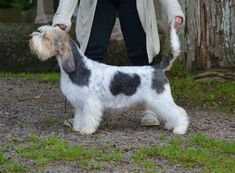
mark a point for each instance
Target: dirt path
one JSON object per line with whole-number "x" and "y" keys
{"x": 37, "y": 107}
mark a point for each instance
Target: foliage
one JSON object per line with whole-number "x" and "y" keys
{"x": 25, "y": 4}
{"x": 22, "y": 4}
{"x": 6, "y": 3}
{"x": 212, "y": 155}
{"x": 219, "y": 96}
{"x": 209, "y": 95}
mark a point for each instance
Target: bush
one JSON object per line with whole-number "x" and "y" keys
{"x": 25, "y": 4}
{"x": 6, "y": 3}
{"x": 22, "y": 4}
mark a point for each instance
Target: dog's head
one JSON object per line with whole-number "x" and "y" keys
{"x": 51, "y": 41}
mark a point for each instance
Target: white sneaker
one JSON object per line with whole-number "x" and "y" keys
{"x": 68, "y": 122}
{"x": 150, "y": 119}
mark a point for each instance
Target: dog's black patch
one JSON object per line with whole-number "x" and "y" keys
{"x": 123, "y": 83}
{"x": 81, "y": 75}
{"x": 158, "y": 80}
{"x": 167, "y": 60}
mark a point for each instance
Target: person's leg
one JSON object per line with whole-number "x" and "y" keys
{"x": 135, "y": 40}
{"x": 133, "y": 32}
{"x": 101, "y": 30}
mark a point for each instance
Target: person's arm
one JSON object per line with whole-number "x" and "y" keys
{"x": 174, "y": 12}
{"x": 64, "y": 13}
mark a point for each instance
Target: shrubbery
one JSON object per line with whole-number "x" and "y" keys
{"x": 22, "y": 4}
{"x": 6, "y": 3}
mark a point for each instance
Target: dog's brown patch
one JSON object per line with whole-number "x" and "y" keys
{"x": 47, "y": 46}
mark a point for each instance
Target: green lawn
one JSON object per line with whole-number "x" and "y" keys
{"x": 212, "y": 95}
{"x": 210, "y": 154}
{"x": 203, "y": 152}
{"x": 8, "y": 165}
{"x": 52, "y": 148}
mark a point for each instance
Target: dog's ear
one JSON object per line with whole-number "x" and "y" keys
{"x": 65, "y": 52}
{"x": 68, "y": 64}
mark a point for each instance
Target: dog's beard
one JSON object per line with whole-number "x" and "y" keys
{"x": 39, "y": 48}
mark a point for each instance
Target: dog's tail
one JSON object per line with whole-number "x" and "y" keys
{"x": 167, "y": 62}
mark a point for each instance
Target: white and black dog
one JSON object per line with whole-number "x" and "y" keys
{"x": 91, "y": 86}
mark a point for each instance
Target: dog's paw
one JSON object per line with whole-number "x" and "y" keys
{"x": 87, "y": 131}
{"x": 76, "y": 129}
{"x": 169, "y": 126}
{"x": 180, "y": 130}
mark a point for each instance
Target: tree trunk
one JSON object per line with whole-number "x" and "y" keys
{"x": 209, "y": 35}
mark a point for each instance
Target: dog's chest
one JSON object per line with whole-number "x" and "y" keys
{"x": 73, "y": 92}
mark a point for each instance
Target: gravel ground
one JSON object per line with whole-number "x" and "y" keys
{"x": 37, "y": 107}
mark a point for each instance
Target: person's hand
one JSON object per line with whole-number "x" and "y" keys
{"x": 61, "y": 26}
{"x": 178, "y": 22}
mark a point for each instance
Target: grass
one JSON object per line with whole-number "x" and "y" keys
{"x": 210, "y": 154}
{"x": 7, "y": 165}
{"x": 218, "y": 96}
{"x": 198, "y": 152}
{"x": 162, "y": 137}
{"x": 44, "y": 151}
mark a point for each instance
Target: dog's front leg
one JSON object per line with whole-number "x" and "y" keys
{"x": 88, "y": 118}
{"x": 77, "y": 121}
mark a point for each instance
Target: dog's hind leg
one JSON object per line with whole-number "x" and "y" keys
{"x": 175, "y": 117}
{"x": 88, "y": 119}
{"x": 164, "y": 106}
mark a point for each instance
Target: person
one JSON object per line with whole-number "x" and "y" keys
{"x": 96, "y": 19}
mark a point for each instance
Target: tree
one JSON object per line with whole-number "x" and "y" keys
{"x": 209, "y": 36}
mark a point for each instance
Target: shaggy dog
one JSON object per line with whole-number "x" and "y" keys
{"x": 91, "y": 86}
